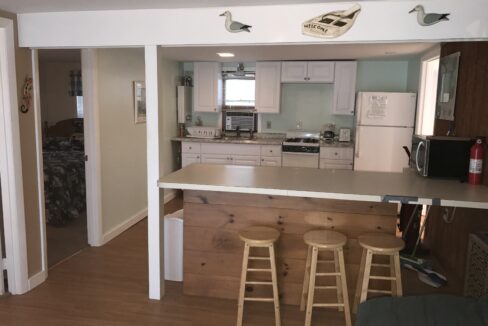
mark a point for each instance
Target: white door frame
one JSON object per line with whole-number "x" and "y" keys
{"x": 11, "y": 165}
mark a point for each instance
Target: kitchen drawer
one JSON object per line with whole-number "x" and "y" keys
{"x": 234, "y": 149}
{"x": 271, "y": 150}
{"x": 190, "y": 147}
{"x": 336, "y": 164}
{"x": 216, "y": 159}
{"x": 337, "y": 153}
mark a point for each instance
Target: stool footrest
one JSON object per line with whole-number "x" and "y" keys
{"x": 259, "y": 269}
{"x": 259, "y": 299}
{"x": 325, "y": 305}
{"x": 259, "y": 282}
{"x": 385, "y": 278}
{"x": 325, "y": 261}
{"x": 379, "y": 291}
{"x": 259, "y": 258}
{"x": 381, "y": 265}
{"x": 328, "y": 274}
{"x": 328, "y": 287}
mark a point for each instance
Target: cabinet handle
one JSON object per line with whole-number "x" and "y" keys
{"x": 335, "y": 153}
{"x": 215, "y": 109}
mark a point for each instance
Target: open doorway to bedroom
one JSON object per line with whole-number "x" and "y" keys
{"x": 61, "y": 100}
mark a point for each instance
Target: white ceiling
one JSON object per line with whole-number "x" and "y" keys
{"x": 25, "y": 6}
{"x": 297, "y": 52}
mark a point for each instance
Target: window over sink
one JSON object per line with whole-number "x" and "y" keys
{"x": 239, "y": 86}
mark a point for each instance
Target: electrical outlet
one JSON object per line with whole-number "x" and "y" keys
{"x": 268, "y": 124}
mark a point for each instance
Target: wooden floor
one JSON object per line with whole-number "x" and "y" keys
{"x": 108, "y": 286}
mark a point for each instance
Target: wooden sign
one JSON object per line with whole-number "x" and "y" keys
{"x": 332, "y": 24}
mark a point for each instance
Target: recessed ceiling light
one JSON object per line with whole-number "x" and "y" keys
{"x": 226, "y": 54}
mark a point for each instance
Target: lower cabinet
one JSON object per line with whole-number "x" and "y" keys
{"x": 237, "y": 154}
{"x": 339, "y": 158}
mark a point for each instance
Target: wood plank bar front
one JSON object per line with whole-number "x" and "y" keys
{"x": 213, "y": 250}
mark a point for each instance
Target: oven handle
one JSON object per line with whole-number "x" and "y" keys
{"x": 298, "y": 153}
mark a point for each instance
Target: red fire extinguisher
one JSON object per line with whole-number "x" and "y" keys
{"x": 477, "y": 153}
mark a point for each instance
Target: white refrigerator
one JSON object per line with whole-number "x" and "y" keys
{"x": 384, "y": 124}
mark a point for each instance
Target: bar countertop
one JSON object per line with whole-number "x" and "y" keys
{"x": 329, "y": 184}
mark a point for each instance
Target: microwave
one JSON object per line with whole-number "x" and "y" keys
{"x": 441, "y": 156}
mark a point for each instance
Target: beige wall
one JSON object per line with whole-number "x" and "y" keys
{"x": 28, "y": 152}
{"x": 56, "y": 103}
{"x": 123, "y": 143}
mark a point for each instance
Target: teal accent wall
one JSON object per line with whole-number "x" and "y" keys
{"x": 311, "y": 103}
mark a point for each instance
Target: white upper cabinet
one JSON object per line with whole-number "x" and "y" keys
{"x": 268, "y": 87}
{"x": 307, "y": 72}
{"x": 207, "y": 86}
{"x": 344, "y": 88}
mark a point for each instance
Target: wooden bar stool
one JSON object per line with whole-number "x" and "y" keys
{"x": 319, "y": 240}
{"x": 258, "y": 236}
{"x": 378, "y": 244}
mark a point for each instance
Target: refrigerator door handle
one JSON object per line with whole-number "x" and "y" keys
{"x": 357, "y": 142}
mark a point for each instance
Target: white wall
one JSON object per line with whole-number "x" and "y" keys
{"x": 56, "y": 103}
{"x": 379, "y": 21}
{"x": 122, "y": 142}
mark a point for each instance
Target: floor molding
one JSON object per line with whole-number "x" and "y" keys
{"x": 37, "y": 279}
{"x": 117, "y": 230}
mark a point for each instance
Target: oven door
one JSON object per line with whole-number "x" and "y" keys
{"x": 300, "y": 160}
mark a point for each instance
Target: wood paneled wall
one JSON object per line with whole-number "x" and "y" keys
{"x": 448, "y": 242}
{"x": 213, "y": 250}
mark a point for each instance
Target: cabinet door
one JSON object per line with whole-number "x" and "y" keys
{"x": 344, "y": 88}
{"x": 321, "y": 71}
{"x": 187, "y": 159}
{"x": 245, "y": 160}
{"x": 216, "y": 159}
{"x": 190, "y": 147}
{"x": 337, "y": 165}
{"x": 268, "y": 87}
{"x": 207, "y": 86}
{"x": 271, "y": 161}
{"x": 294, "y": 72}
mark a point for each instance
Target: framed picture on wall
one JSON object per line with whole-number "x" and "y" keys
{"x": 139, "y": 102}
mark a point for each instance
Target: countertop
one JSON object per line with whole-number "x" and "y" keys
{"x": 330, "y": 184}
{"x": 254, "y": 141}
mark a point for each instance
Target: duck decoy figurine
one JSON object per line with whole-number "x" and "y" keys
{"x": 233, "y": 26}
{"x": 428, "y": 19}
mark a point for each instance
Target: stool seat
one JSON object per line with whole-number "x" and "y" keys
{"x": 259, "y": 235}
{"x": 325, "y": 239}
{"x": 381, "y": 242}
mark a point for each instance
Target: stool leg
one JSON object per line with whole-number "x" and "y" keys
{"x": 398, "y": 275}
{"x": 338, "y": 279}
{"x": 393, "y": 274}
{"x": 275, "y": 285}
{"x": 311, "y": 286}
{"x": 359, "y": 282}
{"x": 242, "y": 289}
{"x": 306, "y": 279}
{"x": 367, "y": 271}
{"x": 345, "y": 298}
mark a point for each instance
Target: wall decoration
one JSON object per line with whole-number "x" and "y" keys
{"x": 332, "y": 24}
{"x": 139, "y": 102}
{"x": 428, "y": 19}
{"x": 233, "y": 26}
{"x": 26, "y": 95}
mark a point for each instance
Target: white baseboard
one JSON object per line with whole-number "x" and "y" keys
{"x": 37, "y": 279}
{"x": 117, "y": 230}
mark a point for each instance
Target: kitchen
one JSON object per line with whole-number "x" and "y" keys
{"x": 290, "y": 104}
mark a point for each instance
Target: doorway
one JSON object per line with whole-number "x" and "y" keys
{"x": 427, "y": 96}
{"x": 63, "y": 152}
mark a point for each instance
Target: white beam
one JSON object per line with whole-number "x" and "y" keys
{"x": 155, "y": 211}
{"x": 379, "y": 21}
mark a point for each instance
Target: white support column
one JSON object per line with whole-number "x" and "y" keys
{"x": 155, "y": 211}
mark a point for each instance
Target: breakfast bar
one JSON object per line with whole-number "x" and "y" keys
{"x": 221, "y": 200}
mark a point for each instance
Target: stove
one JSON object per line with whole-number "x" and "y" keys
{"x": 301, "y": 149}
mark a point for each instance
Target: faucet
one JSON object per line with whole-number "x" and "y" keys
{"x": 238, "y": 131}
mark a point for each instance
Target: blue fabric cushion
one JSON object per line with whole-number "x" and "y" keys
{"x": 431, "y": 310}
